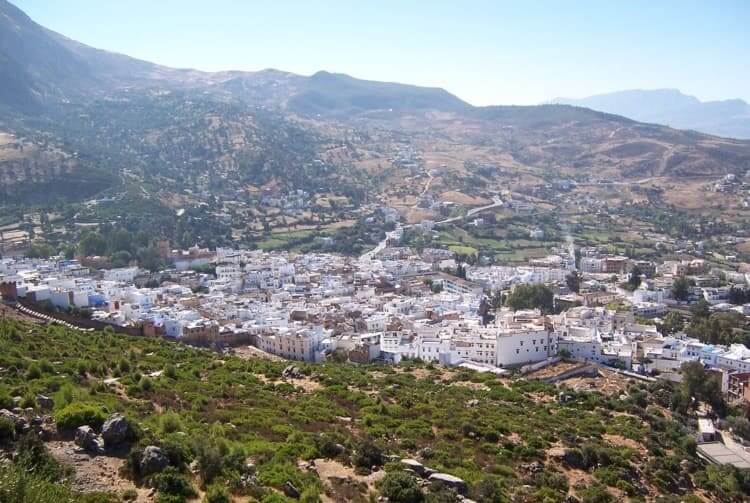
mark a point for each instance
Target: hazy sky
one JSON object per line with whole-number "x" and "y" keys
{"x": 486, "y": 52}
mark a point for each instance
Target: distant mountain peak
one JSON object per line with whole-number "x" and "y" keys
{"x": 673, "y": 108}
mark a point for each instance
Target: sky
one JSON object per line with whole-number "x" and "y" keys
{"x": 485, "y": 52}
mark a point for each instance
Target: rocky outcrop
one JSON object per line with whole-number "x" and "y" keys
{"x": 454, "y": 483}
{"x": 18, "y": 420}
{"x": 87, "y": 439}
{"x": 153, "y": 460}
{"x": 292, "y": 372}
{"x": 45, "y": 402}
{"x": 116, "y": 430}
{"x": 290, "y": 490}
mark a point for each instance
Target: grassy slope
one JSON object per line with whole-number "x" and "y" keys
{"x": 235, "y": 405}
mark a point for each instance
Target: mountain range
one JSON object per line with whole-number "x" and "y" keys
{"x": 76, "y": 120}
{"x": 730, "y": 118}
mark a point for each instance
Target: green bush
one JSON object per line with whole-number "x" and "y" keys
{"x": 6, "y": 401}
{"x": 400, "y": 487}
{"x": 7, "y": 430}
{"x": 78, "y": 414}
{"x": 33, "y": 372}
{"x": 217, "y": 493}
{"x": 173, "y": 483}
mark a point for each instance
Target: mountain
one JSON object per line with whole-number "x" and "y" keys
{"x": 39, "y": 66}
{"x": 730, "y": 118}
{"x": 76, "y": 121}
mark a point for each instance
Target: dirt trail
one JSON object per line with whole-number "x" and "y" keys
{"x": 96, "y": 473}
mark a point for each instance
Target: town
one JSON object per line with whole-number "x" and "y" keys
{"x": 393, "y": 304}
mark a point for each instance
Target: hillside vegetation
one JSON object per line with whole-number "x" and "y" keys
{"x": 239, "y": 424}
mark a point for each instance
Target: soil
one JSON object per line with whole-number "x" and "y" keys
{"x": 342, "y": 483}
{"x": 96, "y": 473}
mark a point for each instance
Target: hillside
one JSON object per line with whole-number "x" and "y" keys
{"x": 330, "y": 429}
{"x": 730, "y": 118}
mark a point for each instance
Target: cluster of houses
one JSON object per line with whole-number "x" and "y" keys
{"x": 390, "y": 306}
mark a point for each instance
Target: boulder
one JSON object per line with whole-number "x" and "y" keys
{"x": 454, "y": 483}
{"x": 414, "y": 465}
{"x": 153, "y": 460}
{"x": 20, "y": 422}
{"x": 292, "y": 372}
{"x": 87, "y": 439}
{"x": 45, "y": 402}
{"x": 290, "y": 491}
{"x": 116, "y": 430}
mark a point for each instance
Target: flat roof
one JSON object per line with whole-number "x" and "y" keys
{"x": 720, "y": 454}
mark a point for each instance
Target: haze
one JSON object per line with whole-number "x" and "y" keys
{"x": 485, "y": 52}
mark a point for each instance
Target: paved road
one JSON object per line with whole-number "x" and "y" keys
{"x": 496, "y": 202}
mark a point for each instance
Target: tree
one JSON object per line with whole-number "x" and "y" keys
{"x": 527, "y": 296}
{"x": 696, "y": 382}
{"x": 92, "y": 243}
{"x": 701, "y": 310}
{"x": 573, "y": 280}
{"x": 400, "y": 487}
{"x": 681, "y": 287}
{"x": 634, "y": 279}
{"x": 148, "y": 258}
{"x": 673, "y": 323}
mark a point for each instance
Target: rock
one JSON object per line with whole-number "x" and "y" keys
{"x": 414, "y": 465}
{"x": 20, "y": 422}
{"x": 429, "y": 471}
{"x": 454, "y": 483}
{"x": 249, "y": 480}
{"x": 290, "y": 491}
{"x": 116, "y": 430}
{"x": 337, "y": 449}
{"x": 194, "y": 467}
{"x": 45, "y": 402}
{"x": 153, "y": 460}
{"x": 391, "y": 458}
{"x": 249, "y": 466}
{"x": 292, "y": 372}
{"x": 87, "y": 439}
{"x": 533, "y": 468}
{"x": 472, "y": 403}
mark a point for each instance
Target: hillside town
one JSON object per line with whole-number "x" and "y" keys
{"x": 396, "y": 304}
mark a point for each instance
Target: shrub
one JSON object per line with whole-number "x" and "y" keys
{"x": 170, "y": 422}
{"x": 130, "y": 495}
{"x": 7, "y": 430}
{"x": 173, "y": 483}
{"x": 6, "y": 401}
{"x": 217, "y": 493}
{"x": 146, "y": 384}
{"x": 77, "y": 414}
{"x": 367, "y": 455}
{"x": 400, "y": 487}
{"x": 33, "y": 372}
{"x": 595, "y": 494}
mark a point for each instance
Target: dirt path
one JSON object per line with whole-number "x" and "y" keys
{"x": 96, "y": 473}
